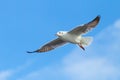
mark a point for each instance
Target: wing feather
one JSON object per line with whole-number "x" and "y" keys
{"x": 86, "y": 27}
{"x": 51, "y": 45}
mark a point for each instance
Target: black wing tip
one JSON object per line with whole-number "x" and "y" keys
{"x": 36, "y": 51}
{"x": 98, "y": 17}
{"x": 31, "y": 51}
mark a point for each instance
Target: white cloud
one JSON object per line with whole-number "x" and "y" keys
{"x": 89, "y": 68}
{"x": 99, "y": 62}
{"x": 46, "y": 73}
{"x": 117, "y": 24}
{"x": 8, "y": 74}
{"x": 4, "y": 75}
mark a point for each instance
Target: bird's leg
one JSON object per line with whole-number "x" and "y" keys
{"x": 81, "y": 47}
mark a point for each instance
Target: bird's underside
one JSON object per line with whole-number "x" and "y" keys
{"x": 77, "y": 32}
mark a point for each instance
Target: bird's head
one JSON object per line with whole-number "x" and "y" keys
{"x": 61, "y": 33}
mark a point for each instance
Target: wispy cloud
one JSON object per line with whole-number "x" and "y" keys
{"x": 5, "y": 75}
{"x": 117, "y": 24}
{"x": 8, "y": 74}
{"x": 90, "y": 68}
{"x": 101, "y": 61}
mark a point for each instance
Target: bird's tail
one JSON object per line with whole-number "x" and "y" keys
{"x": 86, "y": 41}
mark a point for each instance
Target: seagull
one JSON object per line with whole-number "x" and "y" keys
{"x": 75, "y": 36}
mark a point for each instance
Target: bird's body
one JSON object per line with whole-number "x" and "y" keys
{"x": 74, "y": 36}
{"x": 69, "y": 37}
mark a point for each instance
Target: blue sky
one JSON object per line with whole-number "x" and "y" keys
{"x": 28, "y": 24}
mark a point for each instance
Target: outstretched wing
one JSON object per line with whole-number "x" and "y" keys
{"x": 86, "y": 27}
{"x": 50, "y": 46}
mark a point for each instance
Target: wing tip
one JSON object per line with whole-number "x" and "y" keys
{"x": 98, "y": 17}
{"x": 36, "y": 51}
{"x": 31, "y": 51}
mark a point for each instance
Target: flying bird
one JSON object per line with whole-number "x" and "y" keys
{"x": 74, "y": 36}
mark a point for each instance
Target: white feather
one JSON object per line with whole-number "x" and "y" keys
{"x": 86, "y": 41}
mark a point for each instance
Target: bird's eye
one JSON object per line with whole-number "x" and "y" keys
{"x": 60, "y": 33}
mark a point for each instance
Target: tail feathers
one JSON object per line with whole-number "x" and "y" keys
{"x": 86, "y": 41}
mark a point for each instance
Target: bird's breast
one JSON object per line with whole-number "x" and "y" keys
{"x": 71, "y": 38}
